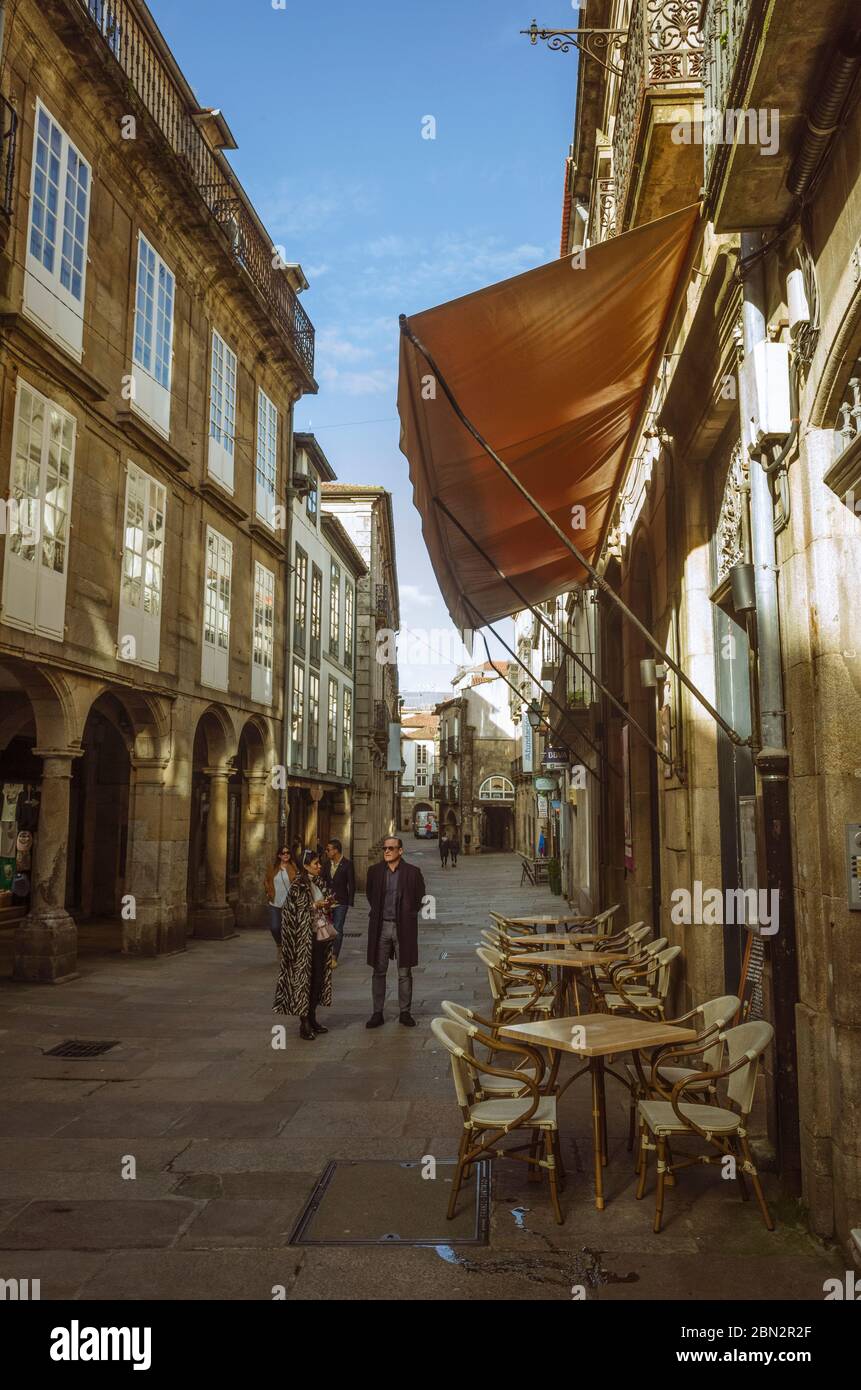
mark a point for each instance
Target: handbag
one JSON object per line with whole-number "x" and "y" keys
{"x": 323, "y": 929}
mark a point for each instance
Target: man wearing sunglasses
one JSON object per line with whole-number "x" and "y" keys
{"x": 395, "y": 892}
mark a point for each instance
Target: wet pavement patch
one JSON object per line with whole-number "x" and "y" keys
{"x": 395, "y": 1202}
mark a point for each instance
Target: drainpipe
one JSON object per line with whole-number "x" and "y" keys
{"x": 771, "y": 758}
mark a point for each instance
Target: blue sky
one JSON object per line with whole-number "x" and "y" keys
{"x": 326, "y": 99}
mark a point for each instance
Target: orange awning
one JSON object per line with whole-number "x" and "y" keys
{"x": 551, "y": 368}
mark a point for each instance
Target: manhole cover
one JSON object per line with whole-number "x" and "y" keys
{"x": 391, "y": 1202}
{"x": 74, "y": 1048}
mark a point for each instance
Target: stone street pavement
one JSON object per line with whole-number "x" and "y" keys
{"x": 228, "y": 1138}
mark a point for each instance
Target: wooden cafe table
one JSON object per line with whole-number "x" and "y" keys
{"x": 602, "y": 1036}
{"x": 556, "y": 939}
{"x": 548, "y": 919}
{"x": 568, "y": 960}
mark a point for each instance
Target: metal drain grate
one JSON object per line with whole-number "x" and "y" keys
{"x": 73, "y": 1047}
{"x": 354, "y": 933}
{"x": 387, "y": 1201}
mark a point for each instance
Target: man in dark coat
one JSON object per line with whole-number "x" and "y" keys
{"x": 341, "y": 883}
{"x": 396, "y": 893}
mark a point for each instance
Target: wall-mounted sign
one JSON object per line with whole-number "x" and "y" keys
{"x": 528, "y": 757}
{"x": 542, "y": 807}
{"x": 545, "y": 784}
{"x": 555, "y": 757}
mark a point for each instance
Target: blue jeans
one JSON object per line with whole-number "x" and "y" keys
{"x": 275, "y": 923}
{"x": 339, "y": 917}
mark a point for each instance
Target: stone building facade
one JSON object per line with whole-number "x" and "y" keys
{"x": 320, "y": 701}
{"x": 152, "y": 347}
{"x": 365, "y": 512}
{"x": 741, "y": 495}
{"x": 419, "y": 755}
{"x": 474, "y": 791}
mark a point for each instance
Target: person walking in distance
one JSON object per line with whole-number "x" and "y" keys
{"x": 443, "y": 850}
{"x": 454, "y": 847}
{"x": 396, "y": 893}
{"x": 341, "y": 883}
{"x": 305, "y": 981}
{"x": 277, "y": 885}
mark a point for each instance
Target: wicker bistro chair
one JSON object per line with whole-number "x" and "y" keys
{"x": 711, "y": 1019}
{"x": 513, "y": 994}
{"x": 720, "y": 1126}
{"x": 630, "y": 939}
{"x": 638, "y": 958}
{"x": 656, "y": 974}
{"x": 488, "y": 1085}
{"x": 486, "y": 1122}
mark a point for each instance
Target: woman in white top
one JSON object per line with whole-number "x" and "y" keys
{"x": 278, "y": 880}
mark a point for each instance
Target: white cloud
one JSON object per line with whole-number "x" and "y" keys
{"x": 411, "y": 593}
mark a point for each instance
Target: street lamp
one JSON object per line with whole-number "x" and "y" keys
{"x": 533, "y": 714}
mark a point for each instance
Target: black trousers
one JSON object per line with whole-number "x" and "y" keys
{"x": 319, "y": 951}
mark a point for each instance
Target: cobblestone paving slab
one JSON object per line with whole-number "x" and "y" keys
{"x": 230, "y": 1135}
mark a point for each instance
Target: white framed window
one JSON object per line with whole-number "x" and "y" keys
{"x": 267, "y": 456}
{"x": 37, "y": 546}
{"x": 222, "y": 412}
{"x": 56, "y": 266}
{"x": 349, "y": 619}
{"x": 423, "y": 763}
{"x": 142, "y": 579}
{"x": 264, "y": 612}
{"x": 347, "y": 768}
{"x": 215, "y": 660}
{"x": 332, "y": 744}
{"x": 496, "y": 789}
{"x": 297, "y": 715}
{"x": 313, "y": 720}
{"x": 334, "y": 608}
{"x": 152, "y": 350}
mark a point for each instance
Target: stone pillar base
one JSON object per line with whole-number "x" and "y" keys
{"x": 46, "y": 948}
{"x": 212, "y": 922}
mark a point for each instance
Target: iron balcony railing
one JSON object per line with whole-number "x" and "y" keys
{"x": 664, "y": 51}
{"x": 9, "y": 119}
{"x": 383, "y": 606}
{"x": 116, "y": 26}
{"x": 726, "y": 27}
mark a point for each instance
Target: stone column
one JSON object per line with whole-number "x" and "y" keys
{"x": 46, "y": 942}
{"x": 255, "y": 852}
{"x": 214, "y": 919}
{"x": 312, "y": 817}
{"x": 146, "y": 919}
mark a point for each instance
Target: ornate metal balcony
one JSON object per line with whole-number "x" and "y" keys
{"x": 664, "y": 55}
{"x": 723, "y": 26}
{"x": 116, "y": 27}
{"x": 8, "y": 142}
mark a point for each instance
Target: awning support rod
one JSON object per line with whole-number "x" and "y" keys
{"x": 563, "y": 644}
{"x": 519, "y": 695}
{"x": 599, "y": 580}
{"x": 552, "y": 698}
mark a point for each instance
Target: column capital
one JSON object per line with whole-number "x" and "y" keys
{"x": 57, "y": 762}
{"x": 218, "y": 773}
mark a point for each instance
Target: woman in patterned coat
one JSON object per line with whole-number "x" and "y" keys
{"x": 305, "y": 980}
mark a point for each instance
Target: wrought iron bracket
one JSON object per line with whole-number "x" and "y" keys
{"x": 592, "y": 42}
